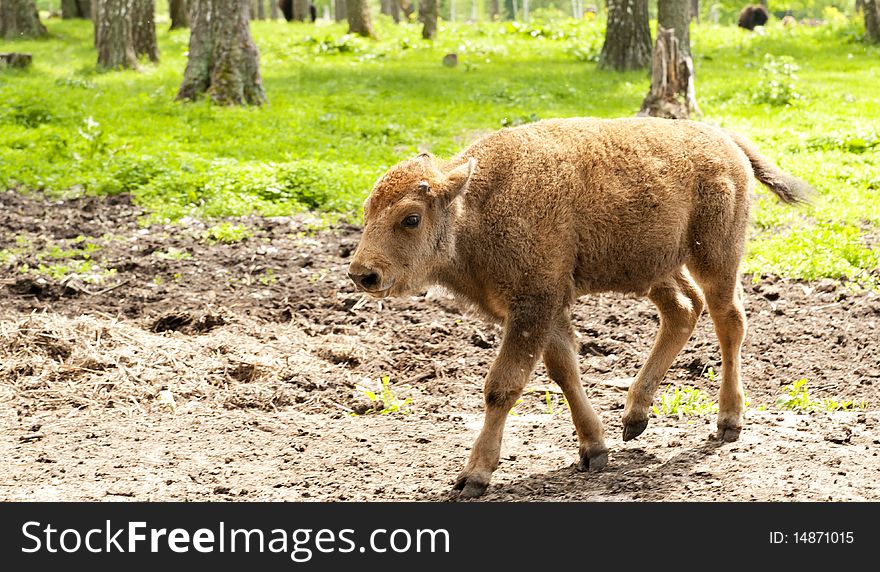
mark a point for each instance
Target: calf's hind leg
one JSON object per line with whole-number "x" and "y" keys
{"x": 680, "y": 303}
{"x": 560, "y": 358}
{"x": 724, "y": 298}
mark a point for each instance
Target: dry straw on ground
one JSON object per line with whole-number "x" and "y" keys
{"x": 49, "y": 361}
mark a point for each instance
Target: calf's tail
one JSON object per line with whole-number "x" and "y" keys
{"x": 789, "y": 189}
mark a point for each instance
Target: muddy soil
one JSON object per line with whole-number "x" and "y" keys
{"x": 147, "y": 362}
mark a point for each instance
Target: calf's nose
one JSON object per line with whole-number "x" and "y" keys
{"x": 363, "y": 276}
{"x": 367, "y": 281}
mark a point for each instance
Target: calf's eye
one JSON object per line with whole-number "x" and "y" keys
{"x": 412, "y": 221}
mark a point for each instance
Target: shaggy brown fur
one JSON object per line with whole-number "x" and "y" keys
{"x": 528, "y": 219}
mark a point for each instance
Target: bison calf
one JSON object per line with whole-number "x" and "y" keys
{"x": 528, "y": 219}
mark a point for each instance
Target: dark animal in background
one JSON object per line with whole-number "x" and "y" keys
{"x": 286, "y": 9}
{"x": 753, "y": 16}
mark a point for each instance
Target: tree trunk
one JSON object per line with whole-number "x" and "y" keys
{"x": 223, "y": 60}
{"x": 76, "y": 9}
{"x": 676, "y": 15}
{"x": 695, "y": 10}
{"x": 179, "y": 12}
{"x": 273, "y": 9}
{"x": 143, "y": 29}
{"x": 428, "y": 13}
{"x": 627, "y": 37}
{"x": 359, "y": 22}
{"x": 19, "y": 19}
{"x": 407, "y": 8}
{"x": 672, "y": 94}
{"x": 495, "y": 10}
{"x": 339, "y": 10}
{"x": 872, "y": 21}
{"x": 390, "y": 8}
{"x": 113, "y": 34}
{"x": 301, "y": 10}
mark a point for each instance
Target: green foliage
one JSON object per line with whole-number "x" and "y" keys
{"x": 778, "y": 85}
{"x": 684, "y": 402}
{"x": 345, "y": 44}
{"x": 227, "y": 233}
{"x": 814, "y": 251}
{"x": 268, "y": 277}
{"x": 797, "y": 398}
{"x": 126, "y": 174}
{"x": 385, "y": 398}
{"x": 74, "y": 258}
{"x": 173, "y": 254}
{"x": 554, "y": 402}
{"x": 58, "y": 252}
{"x": 710, "y": 374}
{"x": 26, "y": 113}
{"x": 856, "y": 140}
{"x": 343, "y": 109}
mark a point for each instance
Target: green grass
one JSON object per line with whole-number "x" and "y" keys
{"x": 173, "y": 254}
{"x": 797, "y": 398}
{"x": 385, "y": 398}
{"x": 684, "y": 401}
{"x": 343, "y": 109}
{"x": 227, "y": 232}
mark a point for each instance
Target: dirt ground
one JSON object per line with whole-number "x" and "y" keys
{"x": 268, "y": 354}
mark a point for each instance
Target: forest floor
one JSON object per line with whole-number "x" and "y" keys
{"x": 270, "y": 355}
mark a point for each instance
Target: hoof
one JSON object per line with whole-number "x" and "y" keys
{"x": 728, "y": 434}
{"x": 634, "y": 429}
{"x": 470, "y": 486}
{"x": 593, "y": 463}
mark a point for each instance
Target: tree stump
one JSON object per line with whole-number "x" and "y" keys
{"x": 672, "y": 94}
{"x": 14, "y": 60}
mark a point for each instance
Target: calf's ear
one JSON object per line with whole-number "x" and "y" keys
{"x": 457, "y": 180}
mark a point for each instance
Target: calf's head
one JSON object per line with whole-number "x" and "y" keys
{"x": 408, "y": 226}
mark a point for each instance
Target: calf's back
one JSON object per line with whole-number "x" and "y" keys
{"x": 598, "y": 205}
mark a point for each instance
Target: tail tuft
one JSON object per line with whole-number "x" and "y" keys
{"x": 789, "y": 189}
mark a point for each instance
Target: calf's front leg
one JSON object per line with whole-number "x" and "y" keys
{"x": 523, "y": 342}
